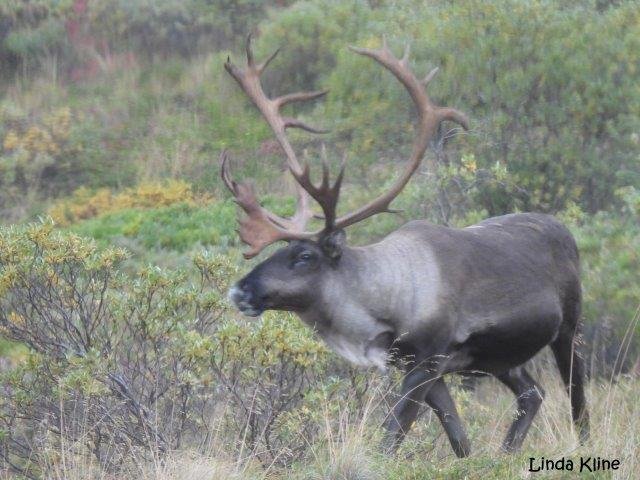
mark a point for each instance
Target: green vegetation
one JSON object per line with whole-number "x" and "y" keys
{"x": 117, "y": 238}
{"x": 165, "y": 344}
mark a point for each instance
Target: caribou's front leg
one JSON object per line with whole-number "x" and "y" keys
{"x": 440, "y": 400}
{"x": 425, "y": 384}
{"x": 412, "y": 393}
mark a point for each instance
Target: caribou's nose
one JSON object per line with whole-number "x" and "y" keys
{"x": 237, "y": 295}
{"x": 241, "y": 296}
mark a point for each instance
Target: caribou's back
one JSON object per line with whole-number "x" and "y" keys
{"x": 527, "y": 251}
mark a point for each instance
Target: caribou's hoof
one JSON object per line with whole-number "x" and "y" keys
{"x": 462, "y": 448}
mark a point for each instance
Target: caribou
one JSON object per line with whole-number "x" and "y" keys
{"x": 428, "y": 299}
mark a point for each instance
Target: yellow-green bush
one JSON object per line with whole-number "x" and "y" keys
{"x": 156, "y": 345}
{"x": 85, "y": 204}
{"x": 33, "y": 151}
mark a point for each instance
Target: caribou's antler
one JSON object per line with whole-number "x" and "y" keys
{"x": 262, "y": 227}
{"x": 429, "y": 117}
{"x": 256, "y": 236}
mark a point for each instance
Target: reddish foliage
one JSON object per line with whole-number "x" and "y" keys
{"x": 95, "y": 54}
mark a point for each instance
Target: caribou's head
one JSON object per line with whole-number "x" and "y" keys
{"x": 291, "y": 277}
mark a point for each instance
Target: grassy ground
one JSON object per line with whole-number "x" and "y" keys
{"x": 347, "y": 450}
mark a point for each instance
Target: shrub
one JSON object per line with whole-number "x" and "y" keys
{"x": 49, "y": 150}
{"x": 609, "y": 245}
{"x": 120, "y": 364}
{"x": 33, "y": 31}
{"x": 35, "y": 156}
{"x": 536, "y": 78}
{"x": 85, "y": 204}
{"x": 29, "y": 31}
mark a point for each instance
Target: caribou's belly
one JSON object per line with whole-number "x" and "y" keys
{"x": 507, "y": 339}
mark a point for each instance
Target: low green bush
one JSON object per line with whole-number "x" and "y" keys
{"x": 609, "y": 244}
{"x": 138, "y": 362}
{"x": 178, "y": 227}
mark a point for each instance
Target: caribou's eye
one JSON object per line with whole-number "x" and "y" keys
{"x": 305, "y": 257}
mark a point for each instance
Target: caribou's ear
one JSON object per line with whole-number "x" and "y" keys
{"x": 332, "y": 243}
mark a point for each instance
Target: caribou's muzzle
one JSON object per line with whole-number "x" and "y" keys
{"x": 247, "y": 301}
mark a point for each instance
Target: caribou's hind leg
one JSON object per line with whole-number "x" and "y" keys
{"x": 529, "y": 397}
{"x": 571, "y": 366}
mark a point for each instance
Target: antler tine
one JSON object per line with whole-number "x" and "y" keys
{"x": 429, "y": 76}
{"x": 405, "y": 57}
{"x": 325, "y": 194}
{"x": 295, "y": 123}
{"x": 325, "y": 166}
{"x": 266, "y": 63}
{"x": 430, "y": 116}
{"x": 224, "y": 171}
{"x": 300, "y": 97}
{"x": 249, "y": 51}
{"x": 260, "y": 227}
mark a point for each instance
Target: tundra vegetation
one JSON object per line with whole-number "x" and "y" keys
{"x": 120, "y": 353}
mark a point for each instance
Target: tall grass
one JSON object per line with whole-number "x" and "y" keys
{"x": 347, "y": 447}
